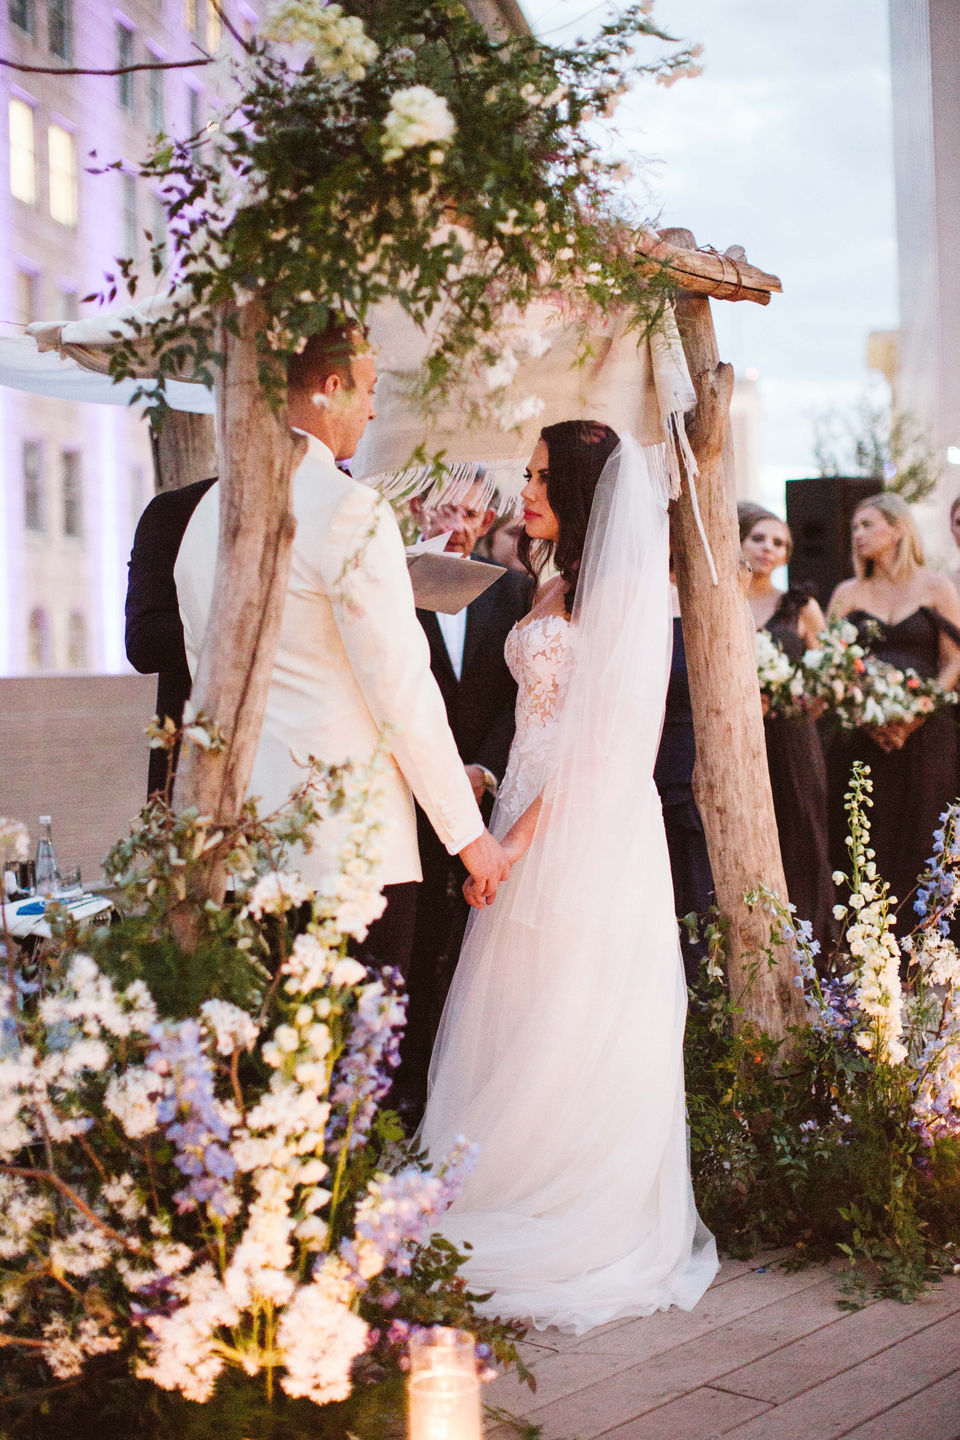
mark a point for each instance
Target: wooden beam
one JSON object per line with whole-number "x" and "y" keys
{"x": 259, "y": 453}
{"x": 184, "y": 449}
{"x": 704, "y": 272}
{"x": 731, "y": 780}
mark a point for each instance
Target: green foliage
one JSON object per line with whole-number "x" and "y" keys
{"x": 301, "y": 193}
{"x": 845, "y": 1140}
{"x": 876, "y": 441}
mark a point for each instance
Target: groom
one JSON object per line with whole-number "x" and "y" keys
{"x": 352, "y": 659}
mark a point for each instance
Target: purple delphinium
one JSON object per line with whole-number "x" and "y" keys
{"x": 188, "y": 1113}
{"x": 362, "y": 1075}
{"x": 937, "y": 889}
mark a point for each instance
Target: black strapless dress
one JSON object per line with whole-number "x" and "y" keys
{"x": 798, "y": 779}
{"x": 912, "y": 786}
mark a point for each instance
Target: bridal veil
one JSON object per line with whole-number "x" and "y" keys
{"x": 560, "y": 1049}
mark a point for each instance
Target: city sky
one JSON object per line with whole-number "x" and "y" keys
{"x": 783, "y": 145}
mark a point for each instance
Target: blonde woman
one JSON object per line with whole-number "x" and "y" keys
{"x": 909, "y": 616}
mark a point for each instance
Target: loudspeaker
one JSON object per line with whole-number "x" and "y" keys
{"x": 819, "y": 512}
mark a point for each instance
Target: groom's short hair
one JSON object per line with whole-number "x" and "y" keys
{"x": 328, "y": 352}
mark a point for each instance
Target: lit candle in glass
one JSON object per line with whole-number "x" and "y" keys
{"x": 443, "y": 1389}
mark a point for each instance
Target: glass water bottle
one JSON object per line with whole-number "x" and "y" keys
{"x": 48, "y": 872}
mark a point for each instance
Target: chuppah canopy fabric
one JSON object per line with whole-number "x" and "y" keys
{"x": 563, "y": 367}
{"x": 61, "y": 377}
{"x": 604, "y": 371}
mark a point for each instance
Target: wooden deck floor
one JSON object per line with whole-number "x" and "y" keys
{"x": 766, "y": 1355}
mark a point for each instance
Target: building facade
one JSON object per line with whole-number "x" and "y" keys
{"x": 925, "y": 75}
{"x": 75, "y": 477}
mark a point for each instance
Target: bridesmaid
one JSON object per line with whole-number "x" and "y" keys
{"x": 908, "y": 615}
{"x": 955, "y": 532}
{"x": 798, "y": 775}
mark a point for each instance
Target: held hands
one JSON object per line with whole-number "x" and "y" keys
{"x": 488, "y": 864}
{"x": 894, "y": 735}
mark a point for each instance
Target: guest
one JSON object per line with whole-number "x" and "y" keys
{"x": 909, "y": 616}
{"x": 798, "y": 775}
{"x": 500, "y": 542}
{"x": 673, "y": 777}
{"x": 154, "y": 631}
{"x": 467, "y": 660}
{"x": 955, "y": 532}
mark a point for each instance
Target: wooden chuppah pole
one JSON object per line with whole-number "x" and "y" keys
{"x": 731, "y": 781}
{"x": 258, "y": 452}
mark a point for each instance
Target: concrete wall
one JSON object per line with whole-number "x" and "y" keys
{"x": 73, "y": 747}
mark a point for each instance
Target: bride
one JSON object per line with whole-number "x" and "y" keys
{"x": 560, "y": 1048}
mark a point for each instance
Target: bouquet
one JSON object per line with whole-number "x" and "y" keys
{"x": 781, "y": 685}
{"x": 858, "y": 689}
{"x": 198, "y": 1190}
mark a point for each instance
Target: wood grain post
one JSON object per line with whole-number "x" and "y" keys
{"x": 731, "y": 781}
{"x": 258, "y": 455}
{"x": 184, "y": 450}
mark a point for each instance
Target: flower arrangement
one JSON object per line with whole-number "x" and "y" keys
{"x": 840, "y": 680}
{"x": 401, "y": 153}
{"x": 850, "y": 1141}
{"x": 202, "y": 1199}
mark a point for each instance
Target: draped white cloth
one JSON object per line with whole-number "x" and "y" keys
{"x": 560, "y": 1049}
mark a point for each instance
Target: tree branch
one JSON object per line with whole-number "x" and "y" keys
{"x": 121, "y": 70}
{"x": 28, "y": 1173}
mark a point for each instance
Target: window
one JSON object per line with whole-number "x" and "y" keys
{"x": 28, "y": 290}
{"x": 23, "y": 163}
{"x": 68, "y": 307}
{"x": 72, "y": 492}
{"x": 77, "y": 641}
{"x": 155, "y": 98}
{"x": 193, "y": 110}
{"x": 63, "y": 175}
{"x": 129, "y": 207}
{"x": 39, "y": 648}
{"x": 22, "y": 15}
{"x": 32, "y": 487}
{"x": 60, "y": 28}
{"x": 124, "y": 57}
{"x": 214, "y": 27}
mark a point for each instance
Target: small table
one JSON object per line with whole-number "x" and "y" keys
{"x": 25, "y": 918}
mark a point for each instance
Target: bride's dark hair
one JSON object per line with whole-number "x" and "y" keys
{"x": 577, "y": 451}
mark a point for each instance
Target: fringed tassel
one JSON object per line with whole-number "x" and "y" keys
{"x": 500, "y": 482}
{"x": 680, "y": 457}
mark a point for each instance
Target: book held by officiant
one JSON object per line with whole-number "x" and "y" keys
{"x": 443, "y": 581}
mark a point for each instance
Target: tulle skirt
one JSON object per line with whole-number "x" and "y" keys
{"x": 560, "y": 1054}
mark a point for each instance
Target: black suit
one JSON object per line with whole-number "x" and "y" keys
{"x": 480, "y": 709}
{"x": 154, "y": 633}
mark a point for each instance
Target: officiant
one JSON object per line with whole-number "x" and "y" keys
{"x": 467, "y": 660}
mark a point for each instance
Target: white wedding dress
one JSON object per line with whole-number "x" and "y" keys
{"x": 560, "y": 1048}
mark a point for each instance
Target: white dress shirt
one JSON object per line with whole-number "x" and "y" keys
{"x": 453, "y": 628}
{"x": 351, "y": 660}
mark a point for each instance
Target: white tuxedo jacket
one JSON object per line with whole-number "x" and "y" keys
{"x": 352, "y": 659}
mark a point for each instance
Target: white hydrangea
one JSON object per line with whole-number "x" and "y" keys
{"x": 84, "y": 1251}
{"x": 319, "y": 1338}
{"x": 276, "y": 892}
{"x": 337, "y": 42}
{"x": 66, "y": 1350}
{"x": 417, "y": 116}
{"x": 182, "y": 1354}
{"x": 132, "y": 1097}
{"x": 234, "y": 1028}
{"x": 21, "y": 1212}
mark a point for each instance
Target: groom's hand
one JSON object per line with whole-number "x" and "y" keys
{"x": 488, "y": 864}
